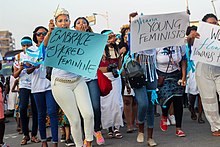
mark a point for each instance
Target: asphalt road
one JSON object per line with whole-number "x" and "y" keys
{"x": 198, "y": 135}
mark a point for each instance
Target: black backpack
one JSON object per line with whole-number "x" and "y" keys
{"x": 135, "y": 74}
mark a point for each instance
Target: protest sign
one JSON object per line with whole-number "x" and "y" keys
{"x": 75, "y": 51}
{"x": 207, "y": 48}
{"x": 155, "y": 31}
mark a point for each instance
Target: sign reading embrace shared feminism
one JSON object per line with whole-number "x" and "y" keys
{"x": 207, "y": 48}
{"x": 155, "y": 31}
{"x": 75, "y": 51}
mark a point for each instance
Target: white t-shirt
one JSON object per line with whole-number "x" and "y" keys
{"x": 39, "y": 82}
{"x": 12, "y": 95}
{"x": 63, "y": 74}
{"x": 24, "y": 78}
{"x": 162, "y": 58}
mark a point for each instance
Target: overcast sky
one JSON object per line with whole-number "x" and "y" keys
{"x": 21, "y": 16}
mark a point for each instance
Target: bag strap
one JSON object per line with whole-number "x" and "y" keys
{"x": 170, "y": 57}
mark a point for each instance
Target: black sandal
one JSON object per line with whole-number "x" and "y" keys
{"x": 117, "y": 134}
{"x": 110, "y": 135}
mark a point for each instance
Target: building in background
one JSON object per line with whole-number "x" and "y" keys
{"x": 7, "y": 42}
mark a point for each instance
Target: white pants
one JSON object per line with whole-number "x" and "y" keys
{"x": 208, "y": 81}
{"x": 74, "y": 97}
{"x": 112, "y": 105}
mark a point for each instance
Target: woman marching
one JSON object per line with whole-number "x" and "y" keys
{"x": 71, "y": 92}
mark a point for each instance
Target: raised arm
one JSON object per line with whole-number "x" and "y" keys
{"x": 51, "y": 28}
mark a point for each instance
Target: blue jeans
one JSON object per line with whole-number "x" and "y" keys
{"x": 46, "y": 104}
{"x": 95, "y": 99}
{"x": 142, "y": 101}
{"x": 24, "y": 95}
{"x": 150, "y": 112}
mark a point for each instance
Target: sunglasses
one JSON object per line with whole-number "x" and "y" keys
{"x": 26, "y": 45}
{"x": 41, "y": 33}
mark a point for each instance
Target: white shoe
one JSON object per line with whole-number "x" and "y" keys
{"x": 140, "y": 137}
{"x": 151, "y": 142}
{"x": 172, "y": 119}
{"x": 168, "y": 122}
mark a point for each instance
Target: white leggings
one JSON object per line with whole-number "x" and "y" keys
{"x": 73, "y": 97}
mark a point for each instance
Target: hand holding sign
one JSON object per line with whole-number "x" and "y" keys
{"x": 75, "y": 51}
{"x": 207, "y": 48}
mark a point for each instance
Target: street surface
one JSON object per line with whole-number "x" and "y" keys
{"x": 198, "y": 135}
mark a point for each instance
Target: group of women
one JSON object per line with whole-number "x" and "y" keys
{"x": 80, "y": 97}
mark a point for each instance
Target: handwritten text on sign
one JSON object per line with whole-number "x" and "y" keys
{"x": 207, "y": 48}
{"x": 75, "y": 51}
{"x": 155, "y": 31}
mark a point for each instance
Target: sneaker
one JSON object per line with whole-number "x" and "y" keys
{"x": 63, "y": 138}
{"x": 69, "y": 142}
{"x": 151, "y": 142}
{"x": 168, "y": 122}
{"x": 172, "y": 119}
{"x": 180, "y": 133}
{"x": 140, "y": 137}
{"x": 163, "y": 123}
{"x": 99, "y": 138}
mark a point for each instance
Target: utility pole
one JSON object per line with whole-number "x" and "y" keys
{"x": 213, "y": 5}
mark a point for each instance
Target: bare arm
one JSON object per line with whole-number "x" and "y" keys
{"x": 184, "y": 65}
{"x": 15, "y": 86}
{"x": 17, "y": 71}
{"x": 51, "y": 28}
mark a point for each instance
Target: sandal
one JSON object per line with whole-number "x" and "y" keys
{"x": 200, "y": 120}
{"x": 216, "y": 133}
{"x": 24, "y": 140}
{"x": 130, "y": 130}
{"x": 117, "y": 134}
{"x": 110, "y": 135}
{"x": 35, "y": 139}
{"x": 193, "y": 115}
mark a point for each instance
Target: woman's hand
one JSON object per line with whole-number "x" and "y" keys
{"x": 51, "y": 26}
{"x": 128, "y": 88}
{"x": 183, "y": 83}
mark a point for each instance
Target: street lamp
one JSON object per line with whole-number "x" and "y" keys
{"x": 103, "y": 15}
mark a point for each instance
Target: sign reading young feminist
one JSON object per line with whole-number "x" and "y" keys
{"x": 207, "y": 48}
{"x": 155, "y": 31}
{"x": 75, "y": 51}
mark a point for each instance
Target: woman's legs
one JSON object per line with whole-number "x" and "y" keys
{"x": 23, "y": 105}
{"x": 52, "y": 112}
{"x": 178, "y": 111}
{"x": 63, "y": 94}
{"x": 34, "y": 117}
{"x": 85, "y": 107}
{"x": 128, "y": 112}
{"x": 77, "y": 93}
{"x": 2, "y": 130}
{"x": 192, "y": 99}
{"x": 95, "y": 99}
{"x": 142, "y": 101}
{"x": 200, "y": 110}
{"x": 150, "y": 117}
{"x": 40, "y": 100}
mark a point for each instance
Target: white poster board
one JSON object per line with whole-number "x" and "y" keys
{"x": 206, "y": 49}
{"x": 156, "y": 31}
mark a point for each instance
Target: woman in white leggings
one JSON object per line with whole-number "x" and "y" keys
{"x": 71, "y": 92}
